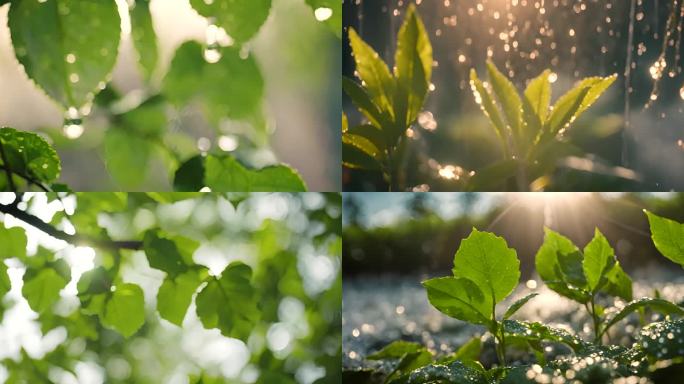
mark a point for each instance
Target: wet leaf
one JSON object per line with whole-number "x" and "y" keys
{"x": 508, "y": 97}
{"x": 455, "y": 372}
{"x": 548, "y": 264}
{"x": 126, "y": 156}
{"x": 486, "y": 102}
{"x": 663, "y": 340}
{"x": 565, "y": 110}
{"x": 68, "y": 47}
{"x": 362, "y": 100}
{"x": 538, "y": 93}
{"x": 355, "y": 158}
{"x": 656, "y": 305}
{"x": 373, "y": 72}
{"x": 241, "y": 19}
{"x": 396, "y": 349}
{"x": 535, "y": 331}
{"x": 29, "y": 155}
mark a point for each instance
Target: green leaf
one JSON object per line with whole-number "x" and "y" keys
{"x": 508, "y": 98}
{"x": 364, "y": 145}
{"x": 471, "y": 350}
{"x": 619, "y": 283}
{"x": 534, "y": 331}
{"x": 189, "y": 176}
{"x": 5, "y": 284}
{"x": 413, "y": 65}
{"x": 68, "y": 47}
{"x": 555, "y": 250}
{"x": 228, "y": 175}
{"x": 175, "y": 295}
{"x": 163, "y": 254}
{"x": 396, "y": 350}
{"x": 95, "y": 281}
{"x": 126, "y": 156}
{"x": 459, "y": 298}
{"x": 517, "y": 305}
{"x": 599, "y": 258}
{"x": 456, "y": 372}
{"x": 657, "y": 305}
{"x": 484, "y": 99}
{"x": 144, "y": 38}
{"x": 29, "y": 155}
{"x": 538, "y": 93}
{"x": 373, "y": 72}
{"x": 229, "y": 302}
{"x": 125, "y": 310}
{"x": 668, "y": 237}
{"x": 42, "y": 289}
{"x": 663, "y": 340}
{"x": 363, "y": 102}
{"x": 566, "y": 109}
{"x": 241, "y": 19}
{"x": 13, "y": 242}
{"x": 597, "y": 86}
{"x": 408, "y": 363}
{"x": 355, "y": 158}
{"x": 190, "y": 78}
{"x": 334, "y": 21}
{"x": 486, "y": 260}
{"x": 370, "y": 133}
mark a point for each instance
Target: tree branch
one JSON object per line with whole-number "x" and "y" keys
{"x": 34, "y": 221}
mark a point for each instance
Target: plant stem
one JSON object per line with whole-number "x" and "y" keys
{"x": 13, "y": 210}
{"x": 8, "y": 171}
{"x": 595, "y": 319}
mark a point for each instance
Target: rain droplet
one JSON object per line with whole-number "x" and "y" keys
{"x": 323, "y": 13}
{"x": 212, "y": 52}
{"x": 228, "y": 143}
{"x": 73, "y": 123}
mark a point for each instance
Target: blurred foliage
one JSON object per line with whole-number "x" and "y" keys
{"x": 175, "y": 116}
{"x": 426, "y": 242}
{"x": 144, "y": 240}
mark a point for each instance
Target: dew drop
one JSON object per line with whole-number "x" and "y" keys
{"x": 73, "y": 123}
{"x": 228, "y": 143}
{"x": 323, "y": 13}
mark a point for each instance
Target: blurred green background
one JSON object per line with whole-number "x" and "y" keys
{"x": 419, "y": 233}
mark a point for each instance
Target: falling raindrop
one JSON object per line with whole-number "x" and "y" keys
{"x": 73, "y": 123}
{"x": 212, "y": 51}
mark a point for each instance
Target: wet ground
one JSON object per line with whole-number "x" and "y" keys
{"x": 380, "y": 309}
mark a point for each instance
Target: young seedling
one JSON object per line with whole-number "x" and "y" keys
{"x": 485, "y": 272}
{"x": 529, "y": 129}
{"x": 583, "y": 275}
{"x": 389, "y": 101}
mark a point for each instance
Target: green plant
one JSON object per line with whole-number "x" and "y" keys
{"x": 529, "y": 129}
{"x": 69, "y": 48}
{"x": 389, "y": 101}
{"x": 485, "y": 272}
{"x": 584, "y": 275}
{"x": 110, "y": 306}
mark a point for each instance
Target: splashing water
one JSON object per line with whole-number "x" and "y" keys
{"x": 73, "y": 123}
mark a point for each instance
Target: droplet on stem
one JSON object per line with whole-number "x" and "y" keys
{"x": 73, "y": 123}
{"x": 212, "y": 52}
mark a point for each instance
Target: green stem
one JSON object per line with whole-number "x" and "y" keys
{"x": 595, "y": 319}
{"x": 8, "y": 171}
